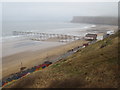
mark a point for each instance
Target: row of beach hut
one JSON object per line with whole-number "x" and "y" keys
{"x": 23, "y": 73}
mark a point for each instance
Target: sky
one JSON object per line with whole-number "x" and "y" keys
{"x": 60, "y": 0}
{"x": 55, "y": 11}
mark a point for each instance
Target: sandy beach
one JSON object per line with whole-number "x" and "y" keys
{"x": 32, "y": 53}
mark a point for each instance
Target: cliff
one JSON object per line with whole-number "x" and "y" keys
{"x": 95, "y": 20}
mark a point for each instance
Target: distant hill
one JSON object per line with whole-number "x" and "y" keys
{"x": 95, "y": 20}
{"x": 91, "y": 67}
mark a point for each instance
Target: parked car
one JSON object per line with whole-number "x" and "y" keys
{"x": 86, "y": 44}
{"x": 47, "y": 62}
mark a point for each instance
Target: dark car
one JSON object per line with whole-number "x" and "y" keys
{"x": 86, "y": 44}
{"x": 47, "y": 62}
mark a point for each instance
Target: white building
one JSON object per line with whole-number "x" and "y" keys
{"x": 110, "y": 32}
{"x": 101, "y": 36}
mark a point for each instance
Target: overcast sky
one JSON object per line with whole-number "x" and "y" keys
{"x": 61, "y": 11}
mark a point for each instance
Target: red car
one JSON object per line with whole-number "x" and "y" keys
{"x": 86, "y": 44}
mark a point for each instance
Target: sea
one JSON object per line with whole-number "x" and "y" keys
{"x": 67, "y": 28}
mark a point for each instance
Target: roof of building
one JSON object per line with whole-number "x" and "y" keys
{"x": 91, "y": 35}
{"x": 101, "y": 34}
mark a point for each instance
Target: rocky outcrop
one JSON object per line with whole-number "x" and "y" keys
{"x": 95, "y": 20}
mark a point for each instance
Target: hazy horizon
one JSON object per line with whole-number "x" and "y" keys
{"x": 56, "y": 11}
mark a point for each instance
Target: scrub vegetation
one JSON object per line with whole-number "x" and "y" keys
{"x": 91, "y": 67}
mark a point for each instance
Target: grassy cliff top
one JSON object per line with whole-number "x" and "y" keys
{"x": 91, "y": 67}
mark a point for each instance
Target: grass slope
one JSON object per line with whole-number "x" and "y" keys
{"x": 91, "y": 67}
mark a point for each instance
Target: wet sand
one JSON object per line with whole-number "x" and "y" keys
{"x": 17, "y": 46}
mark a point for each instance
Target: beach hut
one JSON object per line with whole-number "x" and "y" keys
{"x": 44, "y": 66}
{"x": 39, "y": 67}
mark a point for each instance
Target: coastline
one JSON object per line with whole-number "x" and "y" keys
{"x": 31, "y": 54}
{"x": 11, "y": 64}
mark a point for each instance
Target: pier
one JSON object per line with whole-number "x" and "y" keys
{"x": 45, "y": 36}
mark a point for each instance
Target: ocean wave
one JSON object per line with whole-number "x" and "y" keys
{"x": 9, "y": 38}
